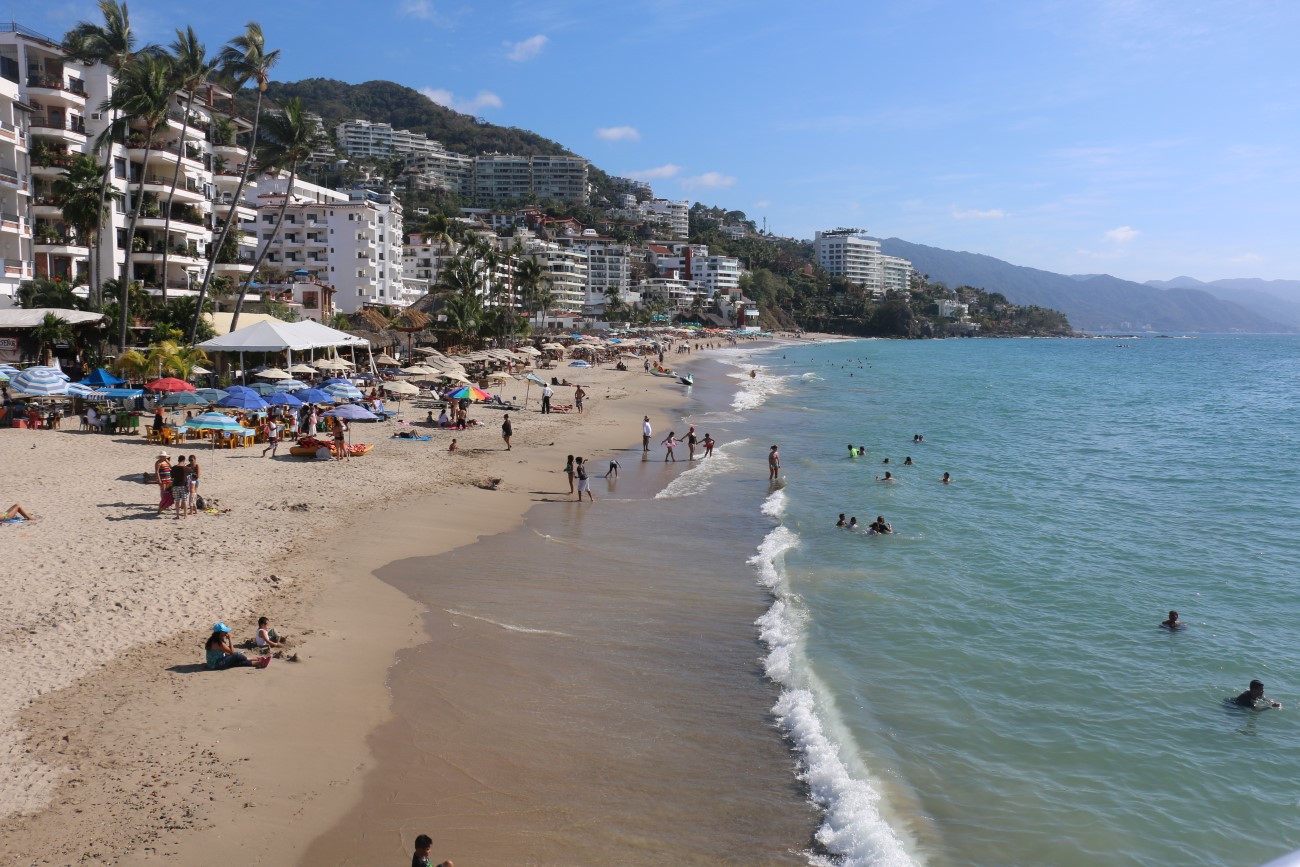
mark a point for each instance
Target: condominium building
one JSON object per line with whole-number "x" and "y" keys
{"x": 896, "y": 274}
{"x": 440, "y": 170}
{"x": 364, "y": 139}
{"x": 350, "y": 240}
{"x": 672, "y": 215}
{"x": 850, "y": 254}
{"x": 609, "y": 265}
{"x": 510, "y": 178}
{"x": 182, "y": 167}
{"x": 15, "y": 220}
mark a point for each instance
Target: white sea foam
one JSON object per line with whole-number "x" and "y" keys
{"x": 755, "y": 390}
{"x": 853, "y": 830}
{"x": 697, "y": 479}
{"x": 510, "y": 627}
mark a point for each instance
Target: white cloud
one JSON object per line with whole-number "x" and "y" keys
{"x": 657, "y": 173}
{"x": 484, "y": 99}
{"x": 1122, "y": 235}
{"x": 421, "y": 9}
{"x": 762, "y": 204}
{"x": 619, "y": 133}
{"x": 708, "y": 181}
{"x": 1246, "y": 259}
{"x": 973, "y": 214}
{"x": 527, "y": 49}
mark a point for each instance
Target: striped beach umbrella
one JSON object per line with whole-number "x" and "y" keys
{"x": 288, "y": 385}
{"x": 342, "y": 391}
{"x": 214, "y": 421}
{"x": 469, "y": 392}
{"x": 40, "y": 382}
{"x": 83, "y": 391}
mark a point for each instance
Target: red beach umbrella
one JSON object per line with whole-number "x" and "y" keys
{"x": 169, "y": 383}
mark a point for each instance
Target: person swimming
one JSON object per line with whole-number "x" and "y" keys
{"x": 880, "y": 527}
{"x": 907, "y": 462}
{"x": 885, "y": 461}
{"x": 1172, "y": 623}
{"x": 947, "y": 479}
{"x": 853, "y": 523}
{"x": 1253, "y": 696}
{"x": 862, "y": 450}
{"x": 888, "y": 477}
{"x": 841, "y": 522}
{"x": 852, "y": 452}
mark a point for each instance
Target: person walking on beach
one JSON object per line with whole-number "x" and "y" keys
{"x": 773, "y": 464}
{"x": 570, "y": 471}
{"x": 646, "y": 433}
{"x": 547, "y": 394}
{"x": 578, "y": 396}
{"x": 271, "y": 431}
{"x": 669, "y": 442}
{"x": 584, "y": 484}
{"x": 709, "y": 443}
{"x": 507, "y": 430}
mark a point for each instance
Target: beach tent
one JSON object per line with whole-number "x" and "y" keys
{"x": 101, "y": 378}
{"x": 278, "y": 336}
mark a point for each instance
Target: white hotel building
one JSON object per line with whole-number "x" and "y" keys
{"x": 850, "y": 254}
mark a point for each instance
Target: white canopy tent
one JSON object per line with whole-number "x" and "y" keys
{"x": 289, "y": 337}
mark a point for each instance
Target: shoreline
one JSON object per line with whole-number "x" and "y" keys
{"x": 247, "y": 790}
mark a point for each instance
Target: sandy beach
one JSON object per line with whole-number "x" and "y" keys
{"x": 115, "y": 754}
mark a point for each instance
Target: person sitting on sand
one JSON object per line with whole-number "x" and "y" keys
{"x": 452, "y": 447}
{"x": 841, "y": 522}
{"x": 442, "y": 417}
{"x": 880, "y": 527}
{"x": 423, "y": 844}
{"x": 1253, "y": 696}
{"x": 1173, "y": 623}
{"x": 17, "y": 513}
{"x": 266, "y": 636}
{"x": 220, "y": 653}
{"x": 888, "y": 477}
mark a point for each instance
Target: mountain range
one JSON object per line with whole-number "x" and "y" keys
{"x": 1279, "y": 300}
{"x": 1100, "y": 302}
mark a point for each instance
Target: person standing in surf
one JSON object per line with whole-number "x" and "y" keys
{"x": 670, "y": 442}
{"x": 773, "y": 464}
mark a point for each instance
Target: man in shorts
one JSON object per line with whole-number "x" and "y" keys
{"x": 646, "y": 433}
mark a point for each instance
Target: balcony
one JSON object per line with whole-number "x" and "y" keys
{"x": 9, "y": 177}
{"x": 53, "y": 244}
{"x": 188, "y": 190}
{"x": 18, "y": 269}
{"x": 70, "y": 130}
{"x": 51, "y": 90}
{"x": 15, "y": 225}
{"x": 166, "y": 154}
{"x": 241, "y": 264}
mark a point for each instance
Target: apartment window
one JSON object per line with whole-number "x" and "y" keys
{"x": 119, "y": 168}
{"x": 361, "y": 274}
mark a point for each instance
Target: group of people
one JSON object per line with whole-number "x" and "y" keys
{"x": 1253, "y": 698}
{"x": 575, "y": 468}
{"x": 220, "y": 653}
{"x": 178, "y": 484}
{"x": 876, "y": 527}
{"x": 692, "y": 440}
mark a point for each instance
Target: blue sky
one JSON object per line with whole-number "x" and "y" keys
{"x": 1139, "y": 138}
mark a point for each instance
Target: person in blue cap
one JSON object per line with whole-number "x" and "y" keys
{"x": 221, "y": 654}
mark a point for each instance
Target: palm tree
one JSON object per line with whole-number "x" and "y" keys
{"x": 244, "y": 59}
{"x": 290, "y": 137}
{"x": 465, "y": 315}
{"x": 438, "y": 231}
{"x": 50, "y": 331}
{"x": 190, "y": 69}
{"x": 462, "y": 276}
{"x": 112, "y": 44}
{"x": 131, "y": 364}
{"x": 143, "y": 94}
{"x": 86, "y": 200}
{"x": 42, "y": 292}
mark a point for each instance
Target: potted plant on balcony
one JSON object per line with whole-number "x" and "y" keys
{"x": 46, "y": 234}
{"x": 42, "y": 154}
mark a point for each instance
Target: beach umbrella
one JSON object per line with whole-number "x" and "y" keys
{"x": 83, "y": 391}
{"x": 288, "y": 385}
{"x": 273, "y": 373}
{"x": 40, "y": 382}
{"x": 214, "y": 421}
{"x": 352, "y": 412}
{"x": 184, "y": 398}
{"x": 242, "y": 401}
{"x": 399, "y": 388}
{"x": 500, "y": 376}
{"x": 313, "y": 395}
{"x": 418, "y": 368}
{"x": 335, "y": 380}
{"x": 121, "y": 393}
{"x": 239, "y": 389}
{"x": 168, "y": 383}
{"x": 211, "y": 395}
{"x": 302, "y": 368}
{"x": 385, "y": 358}
{"x": 282, "y": 398}
{"x": 199, "y": 370}
{"x": 529, "y": 350}
{"x": 261, "y": 389}
{"x": 469, "y": 392}
{"x": 342, "y": 391}
{"x": 579, "y": 364}
{"x": 100, "y": 378}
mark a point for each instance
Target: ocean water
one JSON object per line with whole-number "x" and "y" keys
{"x": 989, "y": 685}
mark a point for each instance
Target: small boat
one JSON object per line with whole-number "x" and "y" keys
{"x": 667, "y": 373}
{"x": 686, "y": 379}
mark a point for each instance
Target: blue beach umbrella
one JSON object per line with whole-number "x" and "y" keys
{"x": 121, "y": 393}
{"x": 262, "y": 389}
{"x": 83, "y": 391}
{"x": 335, "y": 380}
{"x": 214, "y": 421}
{"x": 40, "y": 382}
{"x": 237, "y": 389}
{"x": 342, "y": 391}
{"x": 242, "y": 401}
{"x": 211, "y": 395}
{"x": 183, "y": 398}
{"x": 313, "y": 395}
{"x": 282, "y": 398}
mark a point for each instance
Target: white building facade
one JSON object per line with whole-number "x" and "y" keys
{"x": 850, "y": 254}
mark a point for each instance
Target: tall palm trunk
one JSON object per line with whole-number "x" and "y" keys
{"x": 266, "y": 248}
{"x": 176, "y": 174}
{"x": 124, "y": 310}
{"x": 230, "y": 220}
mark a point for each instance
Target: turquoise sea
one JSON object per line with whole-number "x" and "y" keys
{"x": 989, "y": 684}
